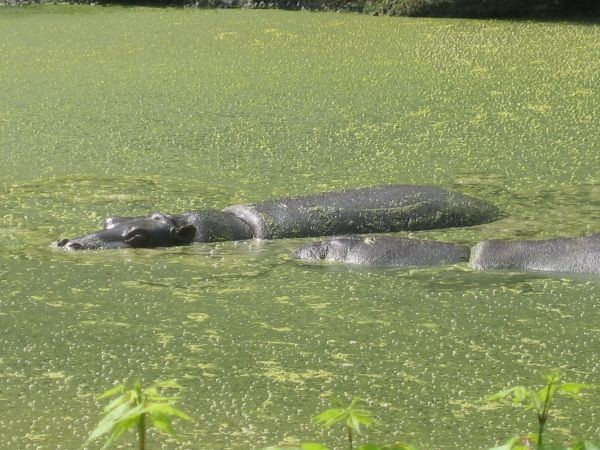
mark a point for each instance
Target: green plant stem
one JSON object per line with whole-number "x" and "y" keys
{"x": 350, "y": 438}
{"x": 540, "y": 445}
{"x": 543, "y": 416}
{"x": 142, "y": 432}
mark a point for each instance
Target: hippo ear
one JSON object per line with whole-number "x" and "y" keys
{"x": 109, "y": 223}
{"x": 184, "y": 234}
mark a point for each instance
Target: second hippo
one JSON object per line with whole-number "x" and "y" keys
{"x": 383, "y": 251}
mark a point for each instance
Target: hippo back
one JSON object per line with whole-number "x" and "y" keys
{"x": 367, "y": 210}
{"x": 561, "y": 255}
{"x": 383, "y": 251}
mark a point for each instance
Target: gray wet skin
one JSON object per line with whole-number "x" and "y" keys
{"x": 366, "y": 210}
{"x": 133, "y": 232}
{"x": 559, "y": 255}
{"x": 161, "y": 230}
{"x": 383, "y": 251}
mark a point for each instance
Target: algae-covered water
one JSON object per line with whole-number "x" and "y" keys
{"x": 116, "y": 111}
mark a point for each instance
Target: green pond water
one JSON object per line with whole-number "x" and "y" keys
{"x": 116, "y": 111}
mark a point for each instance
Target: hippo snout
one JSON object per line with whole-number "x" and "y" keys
{"x": 69, "y": 245}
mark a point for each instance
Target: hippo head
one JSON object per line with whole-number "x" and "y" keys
{"x": 157, "y": 230}
{"x": 334, "y": 249}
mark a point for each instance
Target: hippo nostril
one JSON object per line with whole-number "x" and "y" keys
{"x": 61, "y": 242}
{"x": 73, "y": 246}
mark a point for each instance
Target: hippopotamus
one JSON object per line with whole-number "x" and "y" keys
{"x": 383, "y": 251}
{"x": 559, "y": 255}
{"x": 365, "y": 210}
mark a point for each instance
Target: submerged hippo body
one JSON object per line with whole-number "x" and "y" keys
{"x": 383, "y": 251}
{"x": 367, "y": 210}
{"x": 560, "y": 255}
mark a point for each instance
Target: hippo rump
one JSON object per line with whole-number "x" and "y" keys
{"x": 559, "y": 255}
{"x": 383, "y": 251}
{"x": 366, "y": 210}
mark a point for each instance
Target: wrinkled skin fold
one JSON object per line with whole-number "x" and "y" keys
{"x": 367, "y": 210}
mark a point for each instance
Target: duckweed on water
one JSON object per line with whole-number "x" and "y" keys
{"x": 118, "y": 111}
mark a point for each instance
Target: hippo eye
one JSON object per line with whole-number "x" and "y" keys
{"x": 136, "y": 238}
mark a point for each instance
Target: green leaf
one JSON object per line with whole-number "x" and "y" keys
{"x": 165, "y": 409}
{"x": 108, "y": 422}
{"x": 350, "y": 415}
{"x": 123, "y": 425}
{"x": 363, "y": 416}
{"x": 163, "y": 423}
{"x": 151, "y": 392}
{"x": 127, "y": 410}
{"x": 537, "y": 399}
{"x": 553, "y": 376}
{"x": 313, "y": 446}
{"x": 521, "y": 394}
{"x": 168, "y": 384}
{"x": 116, "y": 402}
{"x": 136, "y": 413}
{"x": 502, "y": 395}
{"x": 159, "y": 398}
{"x": 573, "y": 390}
{"x": 118, "y": 428}
{"x": 111, "y": 392}
{"x": 516, "y": 443}
{"x": 353, "y": 423}
{"x": 108, "y": 443}
{"x": 330, "y": 417}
